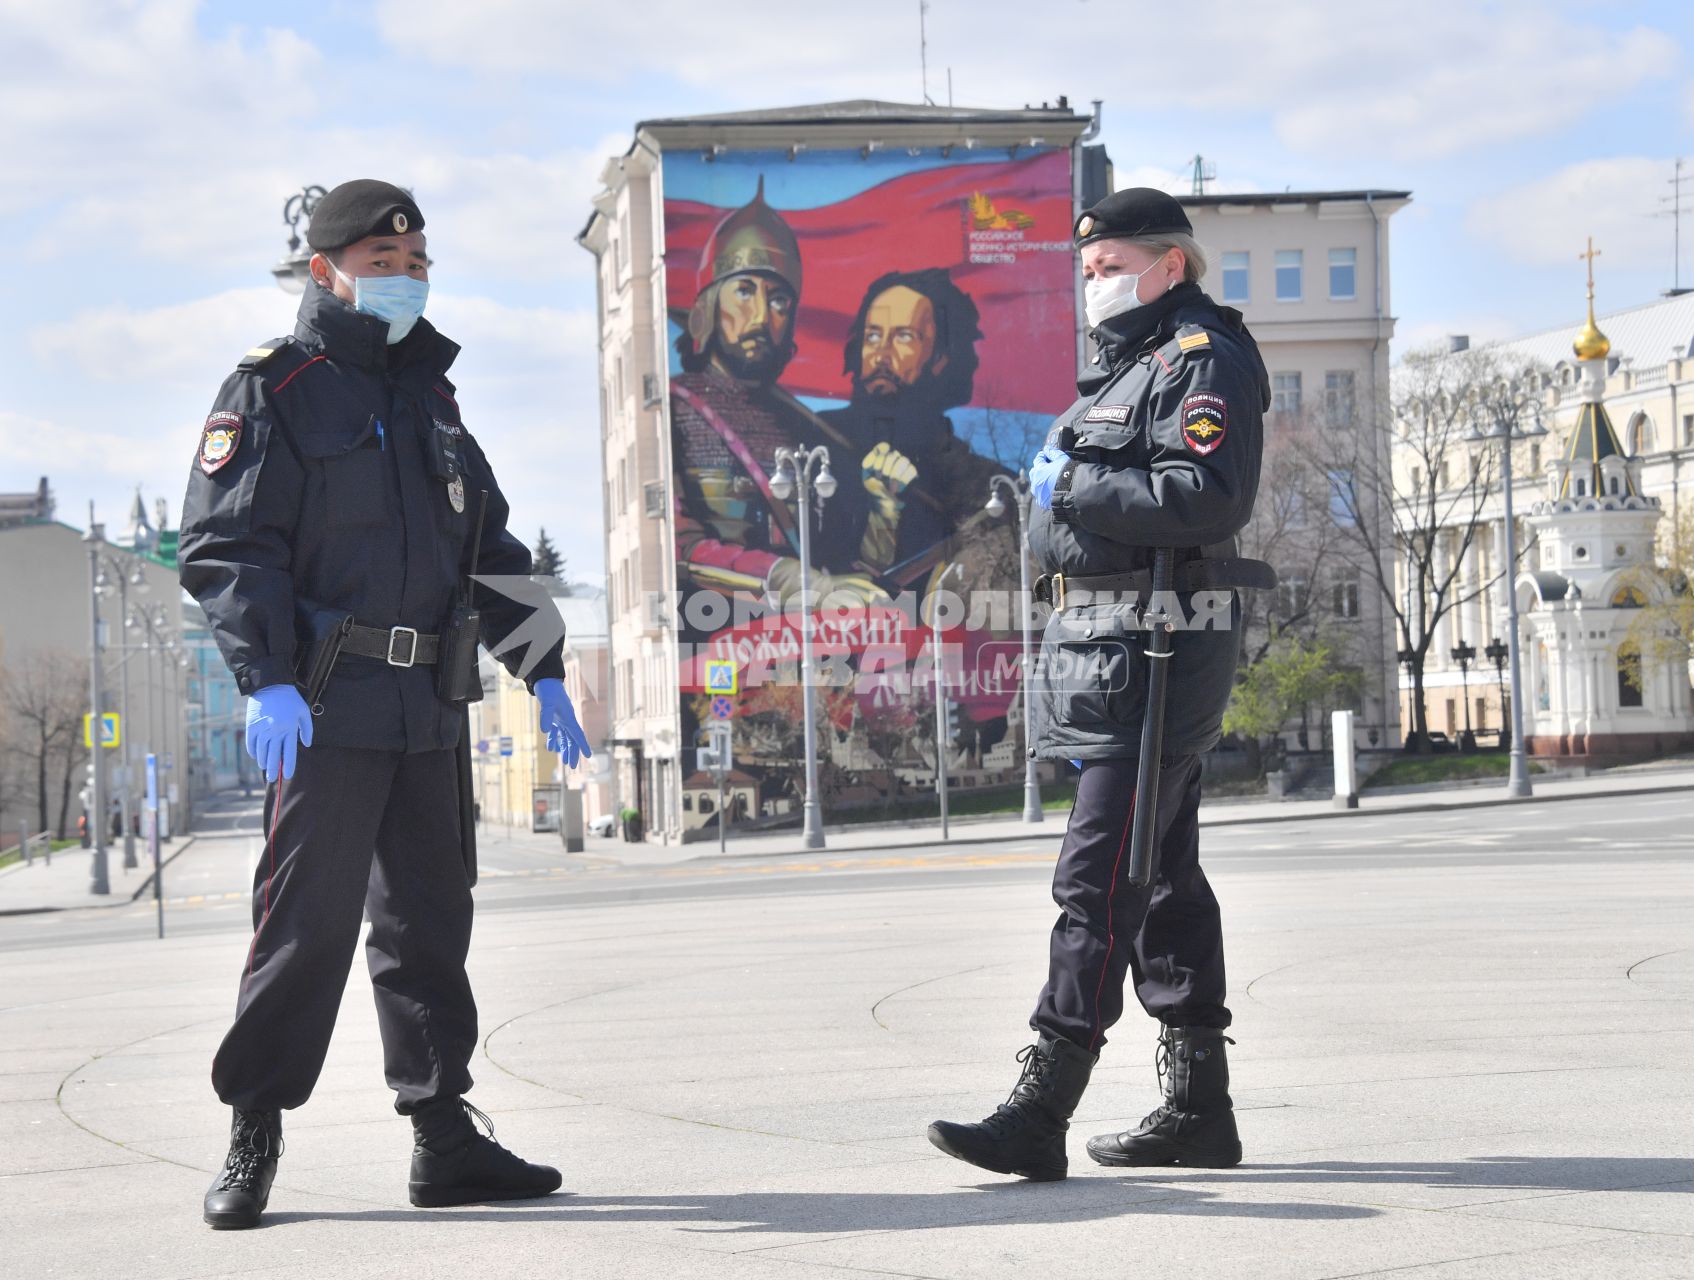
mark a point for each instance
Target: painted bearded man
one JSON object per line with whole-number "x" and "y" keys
{"x": 729, "y": 417}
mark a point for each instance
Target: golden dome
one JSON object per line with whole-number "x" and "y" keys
{"x": 1591, "y": 344}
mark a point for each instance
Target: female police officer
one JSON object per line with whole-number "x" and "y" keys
{"x": 1161, "y": 450}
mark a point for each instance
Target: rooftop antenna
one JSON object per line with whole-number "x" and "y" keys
{"x": 1204, "y": 171}
{"x": 1674, "y": 213}
{"x": 923, "y": 48}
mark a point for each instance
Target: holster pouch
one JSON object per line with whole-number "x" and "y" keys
{"x": 456, "y": 676}
{"x": 320, "y": 632}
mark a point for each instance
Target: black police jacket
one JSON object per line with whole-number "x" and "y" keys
{"x": 323, "y": 476}
{"x": 1165, "y": 443}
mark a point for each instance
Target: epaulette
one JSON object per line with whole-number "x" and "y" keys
{"x": 260, "y": 356}
{"x": 1191, "y": 337}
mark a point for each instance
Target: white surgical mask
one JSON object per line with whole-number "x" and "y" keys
{"x": 1103, "y": 298}
{"x": 397, "y": 299}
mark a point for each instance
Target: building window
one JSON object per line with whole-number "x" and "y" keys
{"x": 1343, "y": 274}
{"x": 1235, "y": 276}
{"x": 1343, "y": 500}
{"x": 1688, "y": 428}
{"x": 1285, "y": 393}
{"x": 1642, "y": 438}
{"x": 1346, "y": 599}
{"x": 1292, "y": 593}
{"x": 1338, "y": 396}
{"x": 1629, "y": 678}
{"x": 1288, "y": 271}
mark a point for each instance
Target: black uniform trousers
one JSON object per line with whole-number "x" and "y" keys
{"x": 1168, "y": 936}
{"x": 352, "y": 833}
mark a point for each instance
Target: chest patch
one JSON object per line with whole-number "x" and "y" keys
{"x": 1118, "y": 413}
{"x": 451, "y": 428}
{"x": 219, "y": 439}
{"x": 1204, "y": 419}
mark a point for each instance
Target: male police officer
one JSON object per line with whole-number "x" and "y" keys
{"x": 1161, "y": 450}
{"x": 335, "y": 494}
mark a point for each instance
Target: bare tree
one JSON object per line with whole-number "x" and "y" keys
{"x": 1416, "y": 496}
{"x": 45, "y": 696}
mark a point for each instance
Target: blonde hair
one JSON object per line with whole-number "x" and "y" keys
{"x": 1193, "y": 256}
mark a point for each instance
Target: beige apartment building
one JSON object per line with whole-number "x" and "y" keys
{"x": 509, "y": 786}
{"x": 1310, "y": 273}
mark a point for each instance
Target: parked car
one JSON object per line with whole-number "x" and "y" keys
{"x": 602, "y": 826}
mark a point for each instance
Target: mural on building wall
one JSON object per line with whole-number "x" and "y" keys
{"x": 914, "y": 315}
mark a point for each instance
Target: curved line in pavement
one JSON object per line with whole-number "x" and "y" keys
{"x": 940, "y": 977}
{"x": 1630, "y": 972}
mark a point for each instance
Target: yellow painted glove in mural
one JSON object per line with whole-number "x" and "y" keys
{"x": 836, "y": 590}
{"x": 886, "y": 473}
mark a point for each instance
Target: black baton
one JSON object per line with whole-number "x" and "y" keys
{"x": 1143, "y": 843}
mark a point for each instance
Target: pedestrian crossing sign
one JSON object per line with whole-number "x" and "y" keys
{"x": 108, "y": 729}
{"x": 721, "y": 676}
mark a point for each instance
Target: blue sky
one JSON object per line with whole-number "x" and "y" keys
{"x": 149, "y": 146}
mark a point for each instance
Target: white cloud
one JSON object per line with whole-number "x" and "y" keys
{"x": 1405, "y": 80}
{"x": 1547, "y": 222}
{"x": 193, "y": 343}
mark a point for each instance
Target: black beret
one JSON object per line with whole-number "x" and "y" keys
{"x": 1134, "y": 211}
{"x": 360, "y": 208}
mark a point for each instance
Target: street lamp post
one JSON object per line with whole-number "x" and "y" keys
{"x": 1495, "y": 651}
{"x": 125, "y": 579}
{"x": 1499, "y": 421}
{"x": 1019, "y": 491}
{"x": 291, "y": 270}
{"x": 1464, "y": 654}
{"x": 98, "y": 880}
{"x": 795, "y": 470}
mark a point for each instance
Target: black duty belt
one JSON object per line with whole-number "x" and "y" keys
{"x": 1220, "y": 573}
{"x": 397, "y": 646}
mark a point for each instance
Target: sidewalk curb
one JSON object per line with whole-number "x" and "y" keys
{"x": 115, "y": 901}
{"x": 1031, "y": 832}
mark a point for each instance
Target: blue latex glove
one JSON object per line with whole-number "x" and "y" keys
{"x": 1044, "y": 474}
{"x": 1078, "y": 765}
{"x": 558, "y": 722}
{"x": 278, "y": 723}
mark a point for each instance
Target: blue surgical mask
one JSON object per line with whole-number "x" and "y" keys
{"x": 397, "y": 299}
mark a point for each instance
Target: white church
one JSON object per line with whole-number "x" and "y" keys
{"x": 1592, "y": 516}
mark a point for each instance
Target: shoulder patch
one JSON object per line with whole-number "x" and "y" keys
{"x": 1205, "y": 417}
{"x": 219, "y": 439}
{"x": 1191, "y": 337}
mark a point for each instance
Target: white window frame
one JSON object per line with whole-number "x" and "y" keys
{"x": 1298, "y": 266}
{"x": 1351, "y": 266}
{"x": 1245, "y": 271}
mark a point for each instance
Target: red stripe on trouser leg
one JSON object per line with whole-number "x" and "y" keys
{"x": 1111, "y": 928}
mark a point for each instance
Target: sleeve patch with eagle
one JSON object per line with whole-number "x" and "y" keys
{"x": 219, "y": 439}
{"x": 1204, "y": 417}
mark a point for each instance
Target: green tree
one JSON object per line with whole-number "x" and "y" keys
{"x": 1296, "y": 672}
{"x": 548, "y": 562}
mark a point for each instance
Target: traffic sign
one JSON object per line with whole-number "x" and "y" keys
{"x": 505, "y": 746}
{"x": 723, "y": 708}
{"x": 108, "y": 729}
{"x": 482, "y": 746}
{"x": 721, "y": 676}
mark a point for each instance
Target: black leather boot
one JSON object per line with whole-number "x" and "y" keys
{"x": 243, "y": 1186}
{"x": 454, "y": 1164}
{"x": 1026, "y": 1134}
{"x": 1195, "y": 1125}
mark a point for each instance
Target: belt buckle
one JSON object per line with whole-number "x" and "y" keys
{"x": 394, "y": 635}
{"x": 1057, "y": 591}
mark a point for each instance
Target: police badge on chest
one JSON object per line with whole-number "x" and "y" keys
{"x": 446, "y": 461}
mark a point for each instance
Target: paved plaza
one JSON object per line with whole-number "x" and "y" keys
{"x": 1463, "y": 1048}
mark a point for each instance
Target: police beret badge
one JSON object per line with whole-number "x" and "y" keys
{"x": 400, "y": 223}
{"x": 219, "y": 439}
{"x": 1204, "y": 417}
